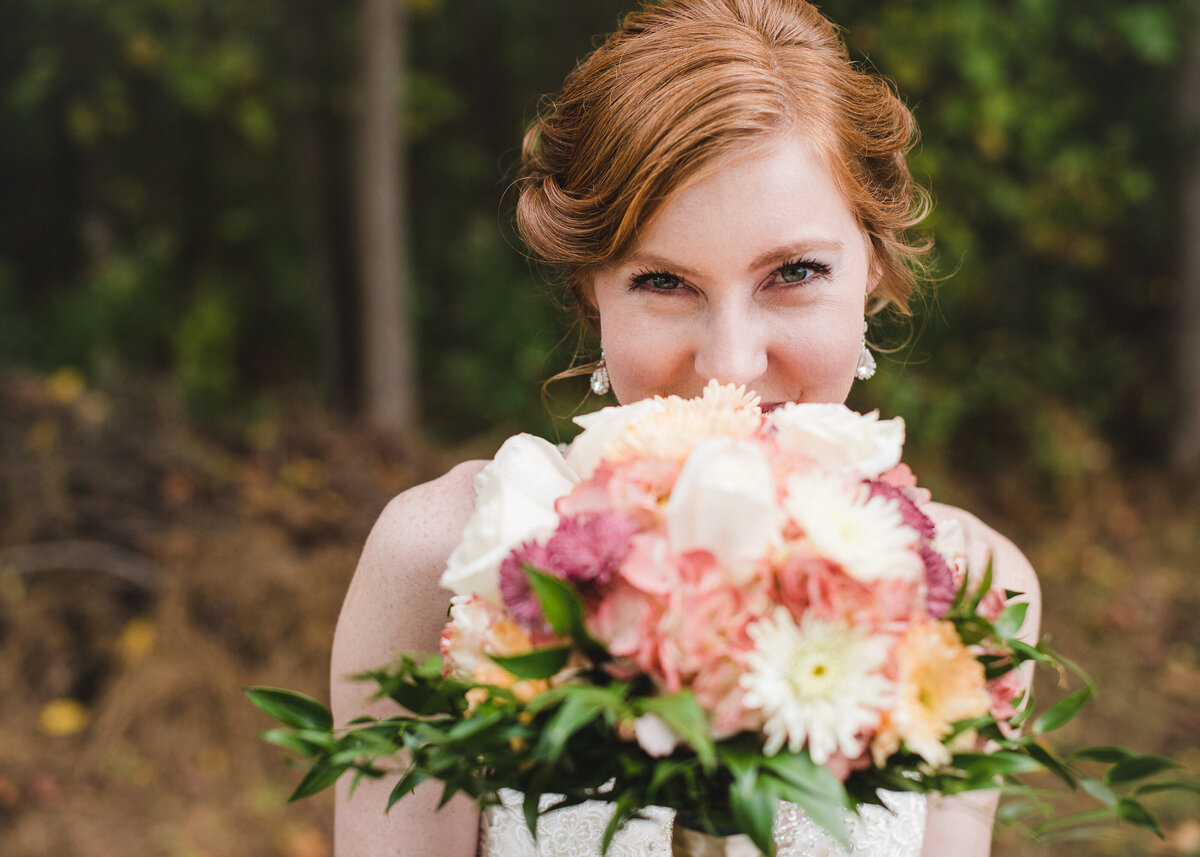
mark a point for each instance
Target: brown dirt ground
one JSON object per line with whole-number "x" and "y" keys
{"x": 148, "y": 571}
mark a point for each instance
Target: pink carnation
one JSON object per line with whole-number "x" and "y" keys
{"x": 940, "y": 587}
{"x": 939, "y": 577}
{"x": 909, "y": 512}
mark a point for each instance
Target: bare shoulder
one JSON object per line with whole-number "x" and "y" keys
{"x": 1010, "y": 569}
{"x": 394, "y": 602}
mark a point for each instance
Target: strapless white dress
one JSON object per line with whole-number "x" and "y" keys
{"x": 576, "y": 831}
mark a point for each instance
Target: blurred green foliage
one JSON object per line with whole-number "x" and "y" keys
{"x": 176, "y": 177}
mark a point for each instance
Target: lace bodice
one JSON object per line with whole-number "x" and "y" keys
{"x": 577, "y": 831}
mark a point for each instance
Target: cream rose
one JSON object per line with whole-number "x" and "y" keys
{"x": 725, "y": 502}
{"x": 839, "y": 438}
{"x": 601, "y": 429}
{"x": 514, "y": 502}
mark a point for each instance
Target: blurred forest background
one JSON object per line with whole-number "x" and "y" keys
{"x": 257, "y": 274}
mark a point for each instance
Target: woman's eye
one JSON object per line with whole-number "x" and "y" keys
{"x": 658, "y": 282}
{"x": 799, "y": 272}
{"x": 795, "y": 273}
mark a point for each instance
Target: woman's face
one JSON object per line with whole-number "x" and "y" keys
{"x": 757, "y": 274}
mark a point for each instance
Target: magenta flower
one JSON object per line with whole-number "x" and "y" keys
{"x": 939, "y": 577}
{"x": 585, "y": 550}
{"x": 515, "y": 590}
{"x": 939, "y": 582}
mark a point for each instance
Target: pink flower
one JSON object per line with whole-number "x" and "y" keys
{"x": 650, "y": 565}
{"x": 939, "y": 577}
{"x": 637, "y": 488}
{"x": 515, "y": 590}
{"x": 584, "y": 551}
{"x": 902, "y": 477}
{"x": 704, "y": 626}
{"x": 1004, "y": 692}
{"x": 992, "y": 605}
{"x": 624, "y": 622}
{"x": 810, "y": 584}
{"x": 940, "y": 587}
{"x": 909, "y": 513}
{"x": 718, "y": 691}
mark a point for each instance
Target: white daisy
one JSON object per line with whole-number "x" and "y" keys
{"x": 865, "y": 535}
{"x": 817, "y": 684}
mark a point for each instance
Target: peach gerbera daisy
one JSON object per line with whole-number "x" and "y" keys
{"x": 940, "y": 682}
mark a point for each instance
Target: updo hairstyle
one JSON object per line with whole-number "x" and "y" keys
{"x": 680, "y": 86}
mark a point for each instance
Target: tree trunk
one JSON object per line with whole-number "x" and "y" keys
{"x": 1185, "y": 451}
{"x": 321, "y": 176}
{"x": 390, "y": 386}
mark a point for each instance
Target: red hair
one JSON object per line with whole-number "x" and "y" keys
{"x": 680, "y": 86}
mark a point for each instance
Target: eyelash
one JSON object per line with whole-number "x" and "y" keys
{"x": 638, "y": 281}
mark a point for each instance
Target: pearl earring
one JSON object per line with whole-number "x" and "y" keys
{"x": 600, "y": 382}
{"x": 865, "y": 370}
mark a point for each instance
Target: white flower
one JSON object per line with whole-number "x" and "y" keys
{"x": 817, "y": 684}
{"x": 950, "y": 541}
{"x": 655, "y": 736}
{"x": 514, "y": 502}
{"x": 865, "y": 535}
{"x": 840, "y": 438}
{"x": 724, "y": 501}
{"x": 601, "y": 430}
{"x": 669, "y": 427}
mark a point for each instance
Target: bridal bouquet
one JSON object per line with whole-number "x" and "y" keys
{"x": 711, "y": 608}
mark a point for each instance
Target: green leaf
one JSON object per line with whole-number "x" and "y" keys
{"x": 1063, "y": 711}
{"x": 1051, "y": 762}
{"x": 1138, "y": 767}
{"x": 753, "y": 809}
{"x": 801, "y": 771}
{"x": 530, "y": 806}
{"x": 578, "y": 710}
{"x": 412, "y": 778}
{"x": 538, "y": 664}
{"x": 984, "y": 585}
{"x": 1168, "y": 786}
{"x": 1073, "y": 820}
{"x": 560, "y": 602}
{"x": 289, "y": 740}
{"x": 1002, "y": 763}
{"x": 622, "y": 810}
{"x": 290, "y": 708}
{"x": 686, "y": 718}
{"x": 1098, "y": 790}
{"x": 1011, "y": 620}
{"x": 826, "y": 810}
{"x": 1107, "y": 755}
{"x": 1136, "y": 814}
{"x": 318, "y": 778}
{"x": 469, "y": 727}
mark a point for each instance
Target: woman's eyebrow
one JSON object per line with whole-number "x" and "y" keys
{"x": 786, "y": 251}
{"x": 654, "y": 261}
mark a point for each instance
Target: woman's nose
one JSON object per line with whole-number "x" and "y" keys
{"x": 732, "y": 347}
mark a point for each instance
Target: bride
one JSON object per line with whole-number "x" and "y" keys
{"x": 728, "y": 197}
